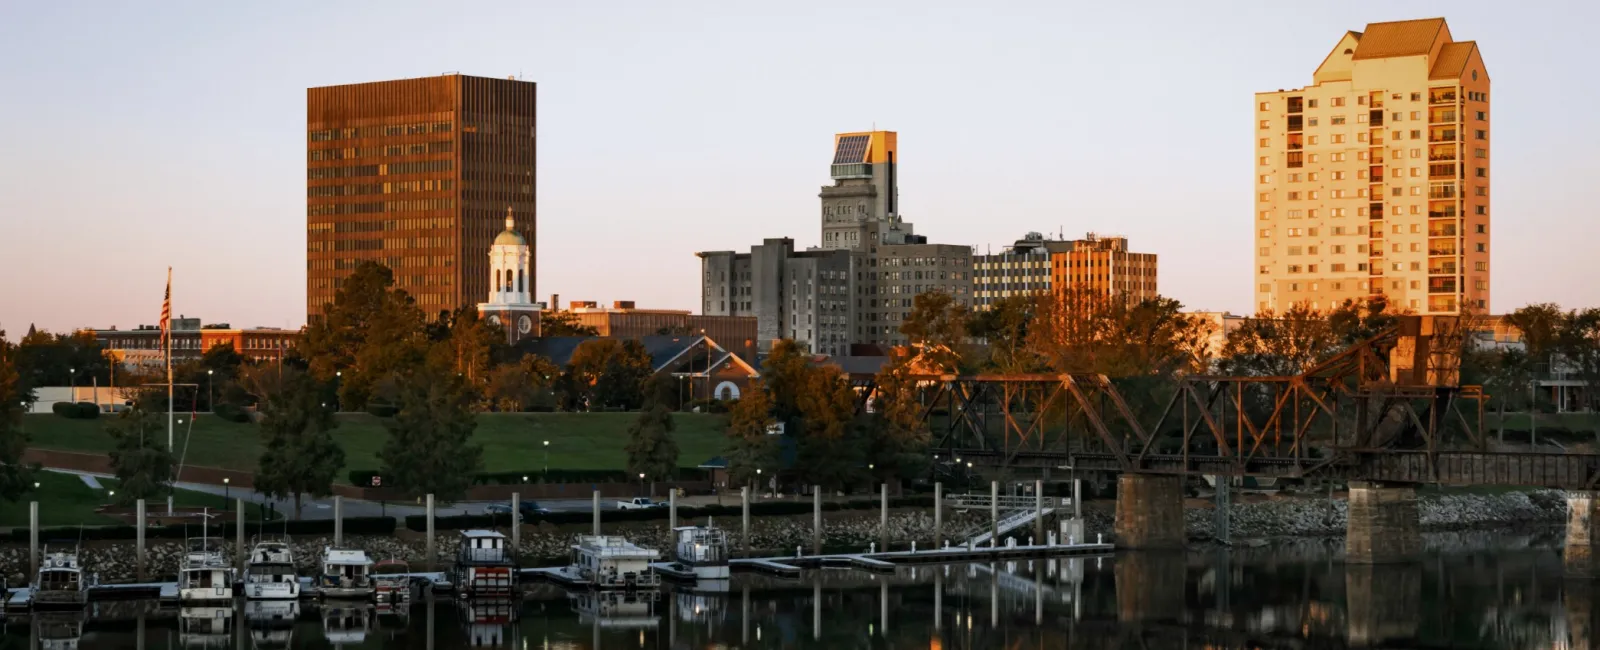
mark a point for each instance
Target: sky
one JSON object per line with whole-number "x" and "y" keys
{"x": 148, "y": 135}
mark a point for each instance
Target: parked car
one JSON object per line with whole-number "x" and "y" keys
{"x": 637, "y": 503}
{"x": 529, "y": 509}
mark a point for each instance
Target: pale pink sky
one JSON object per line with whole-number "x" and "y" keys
{"x": 149, "y": 134}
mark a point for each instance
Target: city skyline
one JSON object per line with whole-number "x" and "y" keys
{"x": 656, "y": 146}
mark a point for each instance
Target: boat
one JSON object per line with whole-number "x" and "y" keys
{"x": 610, "y": 562}
{"x": 269, "y": 572}
{"x": 58, "y": 630}
{"x": 206, "y": 626}
{"x": 483, "y": 565}
{"x": 347, "y": 622}
{"x": 61, "y": 582}
{"x": 345, "y": 574}
{"x": 698, "y": 607}
{"x": 205, "y": 574}
{"x": 701, "y": 550}
{"x": 616, "y": 609}
{"x": 391, "y": 582}
{"x": 271, "y": 622}
{"x": 487, "y": 621}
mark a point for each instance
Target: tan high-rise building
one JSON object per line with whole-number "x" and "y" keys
{"x": 1104, "y": 264}
{"x": 1374, "y": 180}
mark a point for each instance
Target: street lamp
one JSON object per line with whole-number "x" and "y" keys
{"x": 210, "y": 395}
{"x": 73, "y": 392}
{"x": 338, "y": 378}
{"x": 547, "y": 459}
{"x": 641, "y": 483}
{"x": 226, "y": 494}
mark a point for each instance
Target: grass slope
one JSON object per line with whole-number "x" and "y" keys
{"x": 65, "y": 500}
{"x": 511, "y": 441}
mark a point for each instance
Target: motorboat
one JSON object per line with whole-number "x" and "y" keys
{"x": 345, "y": 574}
{"x": 204, "y": 574}
{"x": 611, "y": 562}
{"x": 701, "y": 550}
{"x": 269, "y": 572}
{"x": 61, "y": 581}
{"x": 484, "y": 566}
{"x": 391, "y": 582}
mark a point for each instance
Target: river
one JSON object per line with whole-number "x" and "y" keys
{"x": 1510, "y": 594}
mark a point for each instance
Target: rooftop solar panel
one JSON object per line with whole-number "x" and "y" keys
{"x": 852, "y": 149}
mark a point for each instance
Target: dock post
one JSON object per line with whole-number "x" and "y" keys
{"x": 33, "y": 538}
{"x": 338, "y": 520}
{"x": 1077, "y": 498}
{"x": 672, "y": 509}
{"x": 816, "y": 607}
{"x": 744, "y": 537}
{"x": 238, "y": 536}
{"x": 744, "y": 617}
{"x": 938, "y": 516}
{"x": 597, "y": 513}
{"x": 1038, "y": 510}
{"x": 816, "y": 521}
{"x": 138, "y": 538}
{"x": 883, "y": 517}
{"x": 883, "y": 609}
{"x": 516, "y": 522}
{"x": 938, "y": 598}
{"x": 432, "y": 556}
{"x": 994, "y": 513}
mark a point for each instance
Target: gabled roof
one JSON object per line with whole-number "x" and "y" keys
{"x": 1452, "y": 60}
{"x": 1399, "y": 38}
{"x": 664, "y": 351}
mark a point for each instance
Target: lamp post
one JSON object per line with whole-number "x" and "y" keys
{"x": 338, "y": 378}
{"x": 72, "y": 393}
{"x": 641, "y": 483}
{"x": 210, "y": 395}
{"x": 226, "y": 494}
{"x": 547, "y": 461}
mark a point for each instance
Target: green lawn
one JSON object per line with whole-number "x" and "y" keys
{"x": 511, "y": 441}
{"x": 65, "y": 500}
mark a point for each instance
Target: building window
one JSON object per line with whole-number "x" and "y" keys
{"x": 1266, "y": 124}
{"x": 1336, "y": 101}
{"x": 1480, "y": 134}
{"x": 1416, "y": 97}
{"x": 1266, "y": 232}
{"x": 1337, "y": 249}
{"x": 1265, "y": 269}
{"x": 1478, "y": 209}
{"x": 1480, "y": 172}
{"x": 1480, "y": 248}
{"x": 1294, "y": 250}
{"x": 1264, "y": 287}
{"x": 1266, "y": 106}
{"x": 1336, "y": 120}
{"x": 1266, "y": 160}
{"x": 1480, "y": 229}
{"x": 1482, "y": 115}
{"x": 1480, "y": 266}
{"x": 1265, "y": 251}
{"x": 1266, "y": 142}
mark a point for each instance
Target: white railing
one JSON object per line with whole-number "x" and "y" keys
{"x": 1012, "y": 522}
{"x": 1005, "y": 502}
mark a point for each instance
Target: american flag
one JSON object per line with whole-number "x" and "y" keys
{"x": 166, "y": 313}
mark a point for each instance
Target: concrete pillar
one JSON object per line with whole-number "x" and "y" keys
{"x": 816, "y": 523}
{"x": 994, "y": 513}
{"x": 1382, "y": 603}
{"x": 597, "y": 513}
{"x": 744, "y": 617}
{"x": 432, "y": 556}
{"x": 938, "y": 516}
{"x": 1222, "y": 524}
{"x": 744, "y": 530}
{"x": 238, "y": 537}
{"x": 1583, "y": 534}
{"x": 1149, "y": 511}
{"x": 883, "y": 517}
{"x": 138, "y": 539}
{"x": 1150, "y": 586}
{"x": 1038, "y": 512}
{"x": 1077, "y": 498}
{"x": 938, "y": 597}
{"x": 516, "y": 522}
{"x": 816, "y": 607}
{"x": 33, "y": 539}
{"x": 672, "y": 509}
{"x": 338, "y": 520}
{"x": 883, "y": 609}
{"x": 1382, "y": 524}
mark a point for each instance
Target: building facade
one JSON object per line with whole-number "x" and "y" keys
{"x": 624, "y": 320}
{"x": 1374, "y": 180}
{"x": 1023, "y": 269}
{"x": 1105, "y": 265}
{"x": 800, "y": 295}
{"x": 416, "y": 174}
{"x": 510, "y": 305}
{"x": 190, "y": 340}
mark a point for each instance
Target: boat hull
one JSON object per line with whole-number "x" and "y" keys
{"x": 205, "y": 594}
{"x": 272, "y": 590}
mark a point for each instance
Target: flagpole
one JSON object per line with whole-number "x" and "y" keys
{"x": 168, "y": 337}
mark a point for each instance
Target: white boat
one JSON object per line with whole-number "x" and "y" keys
{"x": 206, "y": 626}
{"x": 616, "y": 609}
{"x": 205, "y": 574}
{"x": 487, "y": 621}
{"x": 347, "y": 622}
{"x": 701, "y": 550}
{"x": 269, "y": 572}
{"x": 611, "y": 562}
{"x": 61, "y": 581}
{"x": 345, "y": 574}
{"x": 271, "y": 622}
{"x": 391, "y": 582}
{"x": 483, "y": 565}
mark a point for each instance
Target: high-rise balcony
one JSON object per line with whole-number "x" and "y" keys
{"x": 1442, "y": 285}
{"x": 1442, "y": 192}
{"x": 1441, "y": 135}
{"x": 1296, "y": 122}
{"x": 1442, "y": 267}
{"x": 1442, "y": 116}
{"x": 1442, "y": 96}
{"x": 1375, "y": 118}
{"x": 1442, "y": 229}
{"x": 1442, "y": 152}
{"x": 1438, "y": 247}
{"x": 1442, "y": 171}
{"x": 1296, "y": 104}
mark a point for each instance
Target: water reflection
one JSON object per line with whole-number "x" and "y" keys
{"x": 1266, "y": 598}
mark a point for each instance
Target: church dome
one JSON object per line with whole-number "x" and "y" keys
{"x": 509, "y": 236}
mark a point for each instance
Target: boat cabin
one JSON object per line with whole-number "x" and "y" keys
{"x": 609, "y": 561}
{"x": 698, "y": 545}
{"x": 483, "y": 547}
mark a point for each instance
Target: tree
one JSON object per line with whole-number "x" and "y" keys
{"x": 523, "y": 386}
{"x": 1540, "y": 324}
{"x": 429, "y": 450}
{"x": 368, "y": 332}
{"x": 564, "y": 323}
{"x": 1004, "y": 327}
{"x": 651, "y": 449}
{"x": 750, "y": 445}
{"x": 936, "y": 327}
{"x": 469, "y": 348}
{"x": 16, "y": 477}
{"x": 139, "y": 456}
{"x": 46, "y": 359}
{"x": 609, "y": 373}
{"x": 899, "y": 438}
{"x": 831, "y": 448}
{"x": 300, "y": 456}
{"x": 1279, "y": 344}
{"x": 784, "y": 373}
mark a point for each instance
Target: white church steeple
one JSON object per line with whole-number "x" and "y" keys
{"x": 508, "y": 267}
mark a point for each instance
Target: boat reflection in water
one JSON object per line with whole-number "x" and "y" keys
{"x": 695, "y": 606}
{"x": 207, "y": 626}
{"x": 346, "y": 622}
{"x": 271, "y": 622}
{"x": 616, "y": 609}
{"x": 488, "y": 621}
{"x": 58, "y": 630}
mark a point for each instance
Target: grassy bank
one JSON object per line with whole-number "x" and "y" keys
{"x": 511, "y": 441}
{"x": 66, "y": 500}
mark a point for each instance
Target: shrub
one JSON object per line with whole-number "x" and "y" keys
{"x": 76, "y": 410}
{"x": 230, "y": 412}
{"x": 382, "y": 410}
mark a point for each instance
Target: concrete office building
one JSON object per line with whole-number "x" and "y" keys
{"x": 417, "y": 174}
{"x": 1374, "y": 180}
{"x": 800, "y": 295}
{"x": 1023, "y": 269}
{"x": 1105, "y": 264}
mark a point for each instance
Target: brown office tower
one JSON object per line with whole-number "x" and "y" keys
{"x": 417, "y": 174}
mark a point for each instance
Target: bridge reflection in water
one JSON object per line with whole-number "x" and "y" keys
{"x": 1298, "y": 596}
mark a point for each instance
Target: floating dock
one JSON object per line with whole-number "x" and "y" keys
{"x": 885, "y": 562}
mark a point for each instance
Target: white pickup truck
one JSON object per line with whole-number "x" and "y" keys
{"x": 638, "y": 503}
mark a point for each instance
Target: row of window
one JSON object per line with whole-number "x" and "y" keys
{"x": 1436, "y": 96}
{"x": 351, "y": 153}
{"x": 386, "y": 169}
{"x": 396, "y": 187}
{"x": 414, "y": 205}
{"x": 383, "y": 131}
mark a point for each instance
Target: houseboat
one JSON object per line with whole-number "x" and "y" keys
{"x": 484, "y": 566}
{"x": 271, "y": 622}
{"x": 487, "y": 621}
{"x": 616, "y": 609}
{"x": 391, "y": 582}
{"x": 205, "y": 575}
{"x": 61, "y": 582}
{"x": 345, "y": 574}
{"x": 611, "y": 562}
{"x": 269, "y": 572}
{"x": 347, "y": 622}
{"x": 702, "y": 551}
{"x": 206, "y": 626}
{"x": 58, "y": 630}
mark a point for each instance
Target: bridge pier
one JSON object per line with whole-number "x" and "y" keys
{"x": 1150, "y": 586}
{"x": 1382, "y": 603}
{"x": 1583, "y": 534}
{"x": 1382, "y": 526}
{"x": 1149, "y": 511}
